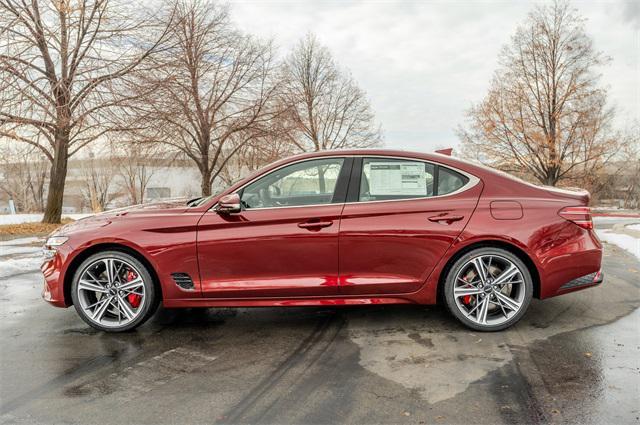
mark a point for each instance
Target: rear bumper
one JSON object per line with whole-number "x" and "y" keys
{"x": 574, "y": 263}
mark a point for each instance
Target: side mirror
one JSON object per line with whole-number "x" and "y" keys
{"x": 229, "y": 204}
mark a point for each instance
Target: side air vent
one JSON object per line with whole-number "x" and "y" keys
{"x": 183, "y": 280}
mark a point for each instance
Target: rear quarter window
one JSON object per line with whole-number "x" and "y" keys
{"x": 449, "y": 181}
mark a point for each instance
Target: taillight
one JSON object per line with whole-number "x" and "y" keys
{"x": 580, "y": 216}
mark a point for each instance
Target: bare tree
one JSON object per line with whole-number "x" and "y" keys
{"x": 23, "y": 171}
{"x": 135, "y": 167}
{"x": 630, "y": 157}
{"x": 545, "y": 114}
{"x": 211, "y": 91}
{"x": 97, "y": 172}
{"x": 325, "y": 107}
{"x": 60, "y": 64}
{"x": 254, "y": 155}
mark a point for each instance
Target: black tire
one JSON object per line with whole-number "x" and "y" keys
{"x": 464, "y": 260}
{"x": 151, "y": 293}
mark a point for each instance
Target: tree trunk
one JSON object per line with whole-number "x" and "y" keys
{"x": 323, "y": 185}
{"x": 58, "y": 175}
{"x": 205, "y": 185}
{"x": 141, "y": 193}
{"x": 40, "y": 192}
{"x": 550, "y": 179}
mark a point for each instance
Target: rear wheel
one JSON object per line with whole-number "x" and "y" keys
{"x": 488, "y": 289}
{"x": 113, "y": 291}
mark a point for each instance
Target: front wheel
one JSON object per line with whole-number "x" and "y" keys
{"x": 113, "y": 291}
{"x": 488, "y": 289}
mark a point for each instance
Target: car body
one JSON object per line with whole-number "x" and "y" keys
{"x": 340, "y": 228}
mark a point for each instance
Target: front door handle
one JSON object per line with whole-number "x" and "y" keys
{"x": 448, "y": 219}
{"x": 315, "y": 224}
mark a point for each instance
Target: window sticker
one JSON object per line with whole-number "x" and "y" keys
{"x": 397, "y": 178}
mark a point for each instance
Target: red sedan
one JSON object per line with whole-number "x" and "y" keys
{"x": 334, "y": 228}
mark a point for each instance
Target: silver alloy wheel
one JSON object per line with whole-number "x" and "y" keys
{"x": 489, "y": 290}
{"x": 111, "y": 292}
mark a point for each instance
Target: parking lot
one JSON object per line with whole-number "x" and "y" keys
{"x": 574, "y": 358}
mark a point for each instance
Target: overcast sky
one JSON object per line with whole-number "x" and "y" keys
{"x": 423, "y": 63}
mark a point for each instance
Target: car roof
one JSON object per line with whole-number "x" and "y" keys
{"x": 367, "y": 151}
{"x": 469, "y": 167}
{"x": 373, "y": 152}
{"x": 459, "y": 164}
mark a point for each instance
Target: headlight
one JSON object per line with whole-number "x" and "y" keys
{"x": 56, "y": 240}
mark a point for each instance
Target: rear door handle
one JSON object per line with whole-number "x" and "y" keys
{"x": 315, "y": 224}
{"x": 448, "y": 219}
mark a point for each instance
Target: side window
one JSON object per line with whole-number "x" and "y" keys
{"x": 388, "y": 179}
{"x": 449, "y": 180}
{"x": 304, "y": 183}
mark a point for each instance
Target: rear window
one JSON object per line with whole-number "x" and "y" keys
{"x": 384, "y": 179}
{"x": 387, "y": 179}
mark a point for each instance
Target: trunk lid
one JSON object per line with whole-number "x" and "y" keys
{"x": 581, "y": 196}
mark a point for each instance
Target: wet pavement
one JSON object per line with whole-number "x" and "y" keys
{"x": 572, "y": 359}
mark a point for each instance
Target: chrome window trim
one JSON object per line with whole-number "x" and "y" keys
{"x": 473, "y": 181}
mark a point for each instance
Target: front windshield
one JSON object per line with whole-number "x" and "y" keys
{"x": 204, "y": 199}
{"x": 199, "y": 201}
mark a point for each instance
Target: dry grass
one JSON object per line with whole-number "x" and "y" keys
{"x": 30, "y": 229}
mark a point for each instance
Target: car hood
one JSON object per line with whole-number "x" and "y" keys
{"x": 107, "y": 217}
{"x": 175, "y": 205}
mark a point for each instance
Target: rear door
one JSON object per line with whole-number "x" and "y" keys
{"x": 401, "y": 217}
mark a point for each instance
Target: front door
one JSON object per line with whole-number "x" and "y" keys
{"x": 402, "y": 216}
{"x": 284, "y": 242}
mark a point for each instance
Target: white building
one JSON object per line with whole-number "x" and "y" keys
{"x": 164, "y": 180}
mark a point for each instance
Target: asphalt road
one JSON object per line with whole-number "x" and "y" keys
{"x": 572, "y": 359}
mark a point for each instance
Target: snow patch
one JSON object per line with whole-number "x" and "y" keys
{"x": 14, "y": 266}
{"x": 626, "y": 242}
{"x": 603, "y": 219}
{"x": 21, "y": 247}
{"x": 6, "y": 251}
{"x": 22, "y": 241}
{"x": 33, "y": 218}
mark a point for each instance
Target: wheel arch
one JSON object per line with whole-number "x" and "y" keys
{"x": 110, "y": 246}
{"x": 490, "y": 243}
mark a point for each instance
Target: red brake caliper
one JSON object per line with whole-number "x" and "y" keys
{"x": 134, "y": 299}
{"x": 467, "y": 298}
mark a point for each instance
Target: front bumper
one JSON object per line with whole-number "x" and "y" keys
{"x": 53, "y": 268}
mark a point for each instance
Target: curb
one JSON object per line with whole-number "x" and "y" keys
{"x": 619, "y": 215}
